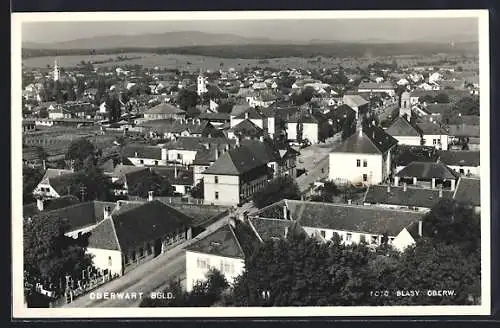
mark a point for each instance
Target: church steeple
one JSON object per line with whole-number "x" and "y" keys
{"x": 202, "y": 84}
{"x": 57, "y": 73}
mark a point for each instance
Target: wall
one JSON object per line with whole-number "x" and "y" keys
{"x": 310, "y": 132}
{"x": 403, "y": 240}
{"x": 428, "y": 138}
{"x": 101, "y": 259}
{"x": 187, "y": 156}
{"x": 198, "y": 264}
{"x": 342, "y": 167}
{"x": 197, "y": 172}
{"x": 412, "y": 141}
{"x": 236, "y": 121}
{"x": 228, "y": 187}
{"x": 48, "y": 194}
{"x": 146, "y": 161}
{"x": 355, "y": 236}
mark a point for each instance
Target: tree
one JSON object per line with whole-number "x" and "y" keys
{"x": 325, "y": 131}
{"x": 151, "y": 182}
{"x": 114, "y": 106}
{"x": 276, "y": 190}
{"x": 43, "y": 113}
{"x": 79, "y": 150}
{"x": 187, "y": 99}
{"x": 31, "y": 178}
{"x": 468, "y": 105}
{"x": 70, "y": 92}
{"x": 49, "y": 255}
{"x": 80, "y": 87}
{"x": 327, "y": 192}
{"x": 348, "y": 127}
{"x": 198, "y": 191}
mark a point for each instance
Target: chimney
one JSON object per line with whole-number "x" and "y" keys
{"x": 246, "y": 115}
{"x": 388, "y": 188}
{"x": 404, "y": 187}
{"x": 39, "y": 204}
{"x": 441, "y": 192}
{"x": 175, "y": 172}
{"x": 44, "y": 165}
{"x": 216, "y": 153}
{"x": 285, "y": 211}
{"x": 107, "y": 212}
{"x": 261, "y": 138}
{"x": 420, "y": 228}
{"x": 151, "y": 195}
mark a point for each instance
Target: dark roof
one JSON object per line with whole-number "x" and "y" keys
{"x": 215, "y": 116}
{"x": 427, "y": 170}
{"x": 147, "y": 222}
{"x": 342, "y": 111}
{"x": 238, "y": 161}
{"x": 371, "y": 141}
{"x": 253, "y": 113}
{"x": 463, "y": 130}
{"x": 50, "y": 205}
{"x": 270, "y": 228}
{"x": 459, "y": 157}
{"x": 430, "y": 128}
{"x": 469, "y": 119}
{"x": 364, "y": 219}
{"x": 468, "y": 191}
{"x": 50, "y": 173}
{"x": 375, "y": 86}
{"x": 402, "y": 128}
{"x": 239, "y": 109}
{"x": 81, "y": 215}
{"x": 413, "y": 196}
{"x": 121, "y": 170}
{"x": 221, "y": 242}
{"x": 437, "y": 108}
{"x": 108, "y": 166}
{"x": 195, "y": 143}
{"x": 407, "y": 154}
{"x": 62, "y": 182}
{"x": 142, "y": 151}
{"x": 164, "y": 108}
{"x": 248, "y": 128}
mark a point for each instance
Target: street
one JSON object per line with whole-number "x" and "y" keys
{"x": 151, "y": 276}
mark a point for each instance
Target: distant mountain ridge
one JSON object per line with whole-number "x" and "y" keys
{"x": 193, "y": 38}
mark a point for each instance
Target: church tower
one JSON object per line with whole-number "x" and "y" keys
{"x": 57, "y": 73}
{"x": 202, "y": 84}
{"x": 405, "y": 106}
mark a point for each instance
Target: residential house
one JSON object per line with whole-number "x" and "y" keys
{"x": 357, "y": 103}
{"x": 55, "y": 183}
{"x": 32, "y": 210}
{"x": 404, "y": 197}
{"x": 132, "y": 233}
{"x": 303, "y": 125}
{"x": 183, "y": 150}
{"x": 466, "y": 163}
{"x": 126, "y": 177}
{"x": 405, "y": 154}
{"x": 352, "y": 223}
{"x": 141, "y": 155}
{"x": 216, "y": 119}
{"x": 219, "y": 250}
{"x": 182, "y": 179}
{"x": 164, "y": 111}
{"x": 465, "y": 134}
{"x": 261, "y": 117}
{"x": 427, "y": 174}
{"x": 404, "y": 132}
{"x": 246, "y": 129}
{"x": 364, "y": 157}
{"x": 235, "y": 176}
{"x": 433, "y": 135}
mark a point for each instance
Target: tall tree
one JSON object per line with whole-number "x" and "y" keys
{"x": 151, "y": 182}
{"x": 31, "y": 178}
{"x": 79, "y": 150}
{"x": 187, "y": 98}
{"x": 276, "y": 190}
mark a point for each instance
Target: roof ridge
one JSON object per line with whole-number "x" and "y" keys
{"x": 112, "y": 222}
{"x": 355, "y": 206}
{"x": 236, "y": 239}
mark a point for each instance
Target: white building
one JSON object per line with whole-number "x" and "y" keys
{"x": 465, "y": 162}
{"x": 404, "y": 132}
{"x": 433, "y": 135}
{"x": 364, "y": 157}
{"x": 219, "y": 250}
{"x": 201, "y": 84}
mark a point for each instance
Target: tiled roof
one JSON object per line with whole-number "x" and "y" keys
{"x": 108, "y": 166}
{"x": 221, "y": 242}
{"x": 50, "y": 205}
{"x": 50, "y": 173}
{"x": 428, "y": 128}
{"x": 363, "y": 219}
{"x": 427, "y": 170}
{"x": 375, "y": 86}
{"x": 470, "y": 119}
{"x": 103, "y": 236}
{"x": 407, "y": 154}
{"x": 371, "y": 141}
{"x": 459, "y": 157}
{"x": 142, "y": 151}
{"x": 239, "y": 109}
{"x": 121, "y": 170}
{"x": 81, "y": 215}
{"x": 463, "y": 130}
{"x": 195, "y": 143}
{"x": 62, "y": 182}
{"x": 248, "y": 128}
{"x": 437, "y": 108}
{"x": 270, "y": 228}
{"x": 355, "y": 100}
{"x": 413, "y": 196}
{"x": 238, "y": 161}
{"x": 402, "y": 128}
{"x": 134, "y": 178}
{"x": 164, "y": 108}
{"x": 468, "y": 191}
{"x": 146, "y": 223}
{"x": 215, "y": 116}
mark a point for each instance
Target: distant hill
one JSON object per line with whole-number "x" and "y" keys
{"x": 156, "y": 40}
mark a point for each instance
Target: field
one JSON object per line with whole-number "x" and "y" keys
{"x": 195, "y": 63}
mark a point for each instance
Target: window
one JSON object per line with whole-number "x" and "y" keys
{"x": 179, "y": 156}
{"x": 358, "y": 162}
{"x": 348, "y": 236}
{"x": 391, "y": 240}
{"x": 365, "y": 163}
{"x": 434, "y": 141}
{"x": 141, "y": 161}
{"x": 323, "y": 233}
{"x": 216, "y": 179}
{"x": 365, "y": 177}
{"x": 202, "y": 263}
{"x": 362, "y": 238}
{"x": 216, "y": 195}
{"x": 461, "y": 171}
{"x": 156, "y": 163}
{"x": 374, "y": 240}
{"x": 109, "y": 261}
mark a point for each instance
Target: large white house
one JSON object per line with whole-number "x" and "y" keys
{"x": 364, "y": 157}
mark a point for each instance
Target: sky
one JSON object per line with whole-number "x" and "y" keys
{"x": 388, "y": 29}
